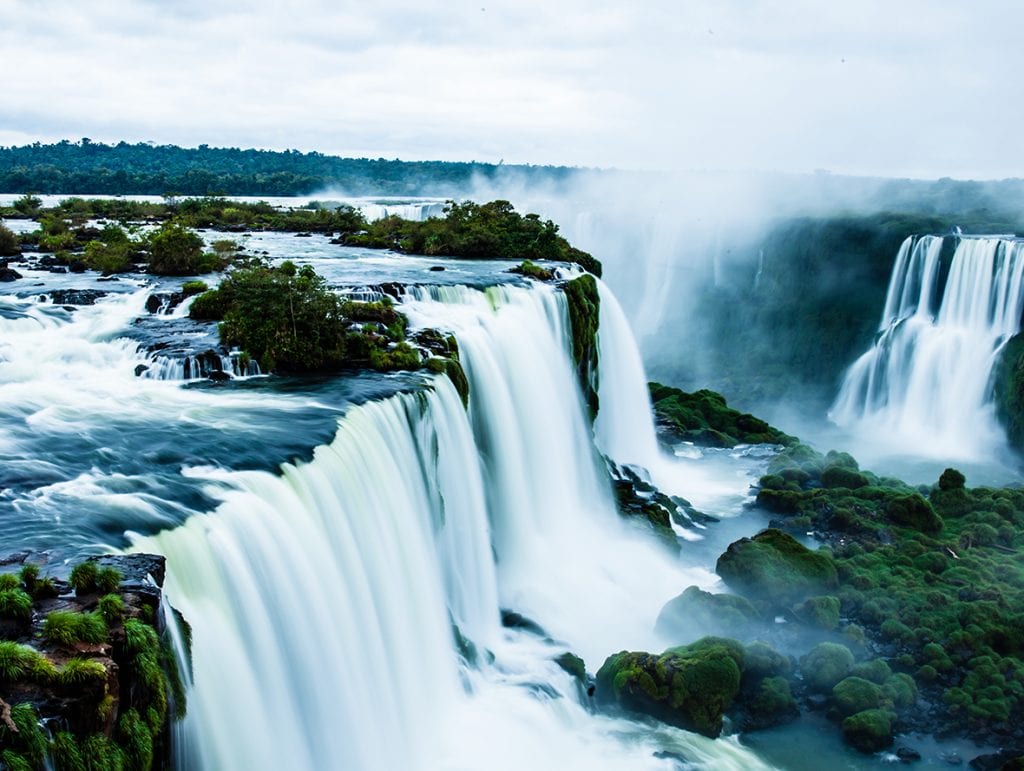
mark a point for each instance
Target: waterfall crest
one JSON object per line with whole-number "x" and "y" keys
{"x": 925, "y": 382}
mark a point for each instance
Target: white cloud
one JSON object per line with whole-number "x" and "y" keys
{"x": 872, "y": 87}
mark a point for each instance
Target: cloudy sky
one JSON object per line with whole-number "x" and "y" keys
{"x": 922, "y": 88}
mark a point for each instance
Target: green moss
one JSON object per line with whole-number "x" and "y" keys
{"x": 855, "y": 694}
{"x": 584, "y": 303}
{"x": 842, "y": 476}
{"x": 870, "y": 730}
{"x": 533, "y": 270}
{"x": 574, "y": 665}
{"x": 900, "y": 690}
{"x": 772, "y": 703}
{"x": 704, "y": 418}
{"x": 774, "y": 566}
{"x": 690, "y": 686}
{"x": 915, "y": 512}
{"x": 825, "y": 665}
{"x": 820, "y": 612}
{"x": 760, "y": 660}
{"x": 876, "y": 670}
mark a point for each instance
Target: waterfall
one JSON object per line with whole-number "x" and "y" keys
{"x": 925, "y": 383}
{"x": 323, "y": 599}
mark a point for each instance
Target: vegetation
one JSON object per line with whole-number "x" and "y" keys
{"x": 584, "y": 317}
{"x": 774, "y": 566}
{"x": 142, "y": 168}
{"x": 476, "y": 231}
{"x": 704, "y": 418}
{"x": 9, "y": 244}
{"x": 105, "y": 708}
{"x": 1009, "y": 390}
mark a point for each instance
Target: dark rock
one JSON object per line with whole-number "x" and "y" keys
{"x": 513, "y": 620}
{"x": 437, "y": 268}
{"x": 140, "y": 368}
{"x": 907, "y": 755}
{"x": 219, "y": 376}
{"x": 8, "y": 274}
{"x": 75, "y": 296}
{"x": 77, "y": 266}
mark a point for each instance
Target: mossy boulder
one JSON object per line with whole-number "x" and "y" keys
{"x": 819, "y": 612}
{"x": 840, "y": 476}
{"x": 870, "y": 730}
{"x": 696, "y": 611}
{"x": 771, "y": 703}
{"x": 825, "y": 665}
{"x": 774, "y": 566}
{"x": 913, "y": 511}
{"x": 855, "y": 694}
{"x": 690, "y": 686}
{"x": 876, "y": 670}
{"x": 704, "y": 418}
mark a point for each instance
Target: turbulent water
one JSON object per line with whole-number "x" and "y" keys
{"x": 323, "y": 600}
{"x": 925, "y": 384}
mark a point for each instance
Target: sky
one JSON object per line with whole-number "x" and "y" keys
{"x": 896, "y": 88}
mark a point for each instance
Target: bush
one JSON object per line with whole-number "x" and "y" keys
{"x": 190, "y": 288}
{"x": 870, "y": 730}
{"x": 175, "y": 250}
{"x": 9, "y": 246}
{"x": 854, "y": 694}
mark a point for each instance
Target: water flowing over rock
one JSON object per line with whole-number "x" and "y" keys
{"x": 926, "y": 382}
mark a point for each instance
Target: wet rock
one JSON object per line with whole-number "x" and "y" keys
{"x": 75, "y": 296}
{"x": 8, "y": 274}
{"x": 907, "y": 755}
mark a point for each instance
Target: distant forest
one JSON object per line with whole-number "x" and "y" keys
{"x": 144, "y": 169}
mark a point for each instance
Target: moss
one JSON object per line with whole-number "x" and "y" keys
{"x": 855, "y": 694}
{"x": 915, "y": 512}
{"x": 771, "y": 703}
{"x": 876, "y": 670}
{"x": 760, "y": 660}
{"x": 453, "y": 369}
{"x": 870, "y": 730}
{"x": 951, "y": 479}
{"x": 574, "y": 665}
{"x": 698, "y": 611}
{"x": 820, "y": 612}
{"x": 825, "y": 665}
{"x": 584, "y": 303}
{"x": 1008, "y": 389}
{"x": 190, "y": 288}
{"x": 690, "y": 686}
{"x": 704, "y": 418}
{"x": 900, "y": 690}
{"x": 841, "y": 476}
{"x": 533, "y": 270}
{"x": 774, "y": 566}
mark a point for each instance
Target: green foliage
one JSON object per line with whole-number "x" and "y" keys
{"x": 774, "y": 566}
{"x": 286, "y": 323}
{"x": 15, "y": 604}
{"x": 29, "y": 742}
{"x": 690, "y": 686}
{"x": 83, "y": 577}
{"x": 111, "y": 608}
{"x": 704, "y": 418}
{"x": 18, "y": 661}
{"x": 29, "y": 575}
{"x": 476, "y": 231}
{"x": 68, "y": 627}
{"x": 915, "y": 512}
{"x": 9, "y": 243}
{"x": 876, "y": 670}
{"x": 65, "y": 753}
{"x": 174, "y": 250}
{"x": 825, "y": 665}
{"x": 113, "y": 251}
{"x": 190, "y": 288}
{"x": 79, "y": 671}
{"x": 137, "y": 739}
{"x": 108, "y": 579}
{"x": 771, "y": 703}
{"x": 139, "y": 637}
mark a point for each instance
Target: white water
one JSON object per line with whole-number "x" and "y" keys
{"x": 925, "y": 385}
{"x": 320, "y": 599}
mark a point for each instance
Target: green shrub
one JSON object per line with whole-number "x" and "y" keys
{"x": 67, "y": 628}
{"x": 15, "y": 604}
{"x": 78, "y": 671}
{"x": 855, "y": 694}
{"x": 111, "y": 607}
{"x": 83, "y": 577}
{"x": 190, "y": 288}
{"x": 175, "y": 250}
{"x": 870, "y": 730}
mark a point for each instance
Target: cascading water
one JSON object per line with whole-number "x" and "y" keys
{"x": 925, "y": 383}
{"x": 322, "y": 599}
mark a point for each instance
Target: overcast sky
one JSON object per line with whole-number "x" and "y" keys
{"x": 923, "y": 88}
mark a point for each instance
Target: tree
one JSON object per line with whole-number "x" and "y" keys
{"x": 176, "y": 251}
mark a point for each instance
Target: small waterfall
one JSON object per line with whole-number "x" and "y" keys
{"x": 925, "y": 383}
{"x": 322, "y": 600}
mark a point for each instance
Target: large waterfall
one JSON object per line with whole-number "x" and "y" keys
{"x": 925, "y": 383}
{"x": 347, "y": 612}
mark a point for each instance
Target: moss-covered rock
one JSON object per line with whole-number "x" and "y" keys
{"x": 584, "y": 317}
{"x": 770, "y": 704}
{"x": 825, "y": 665}
{"x": 870, "y": 730}
{"x": 776, "y": 567}
{"x": 696, "y": 612}
{"x": 704, "y": 418}
{"x": 915, "y": 512}
{"x": 691, "y": 686}
{"x": 819, "y": 612}
{"x": 855, "y": 694}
